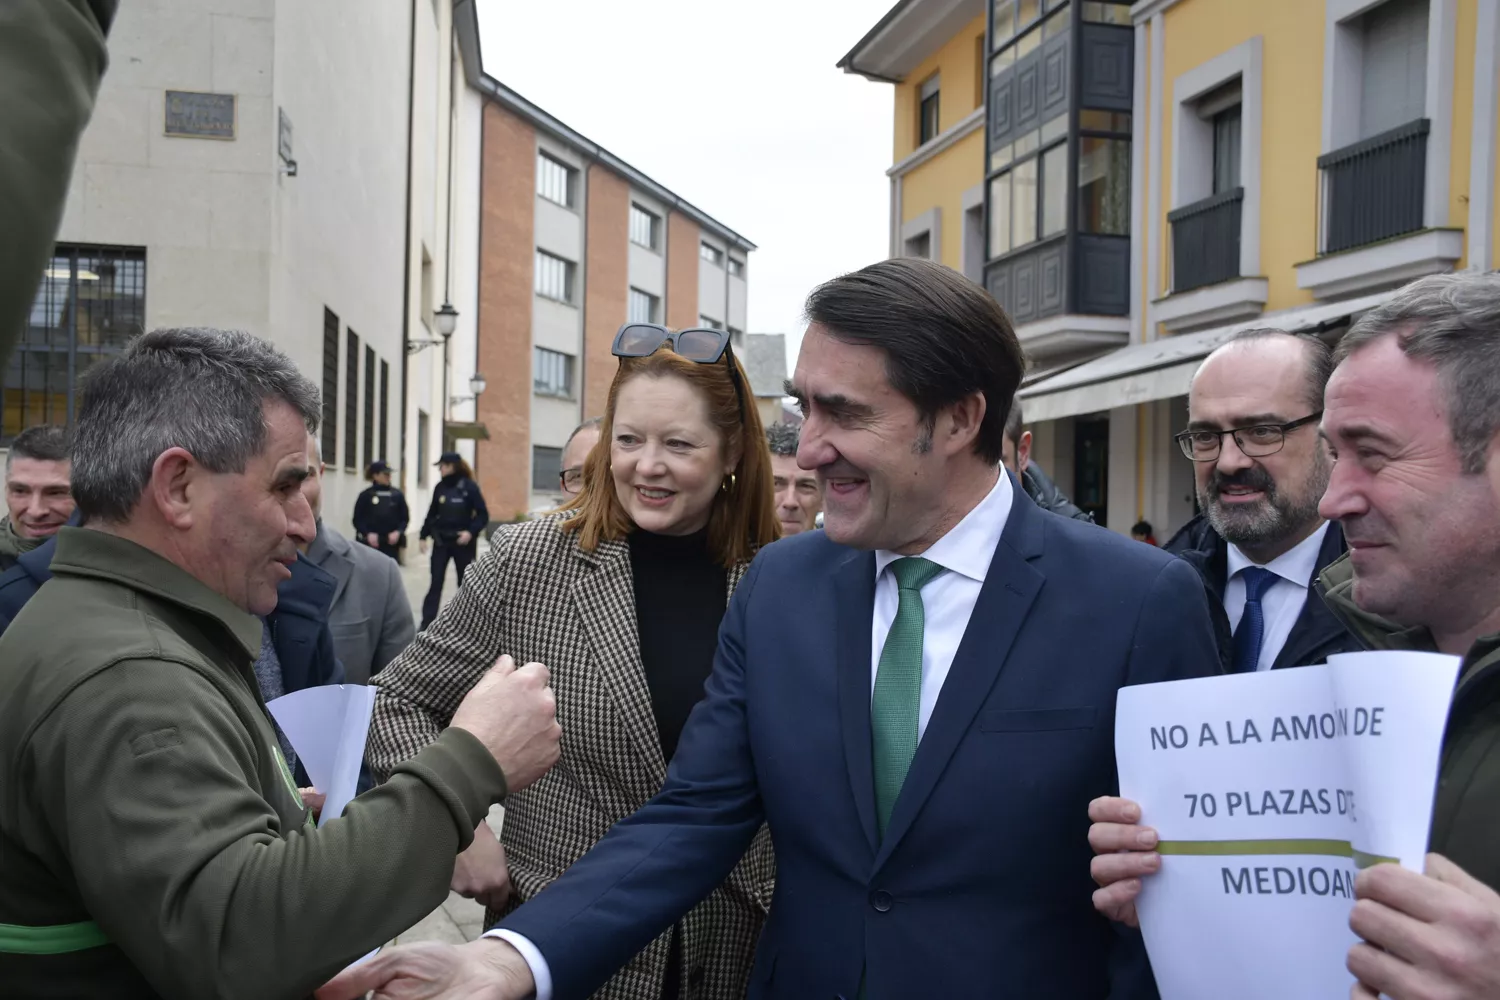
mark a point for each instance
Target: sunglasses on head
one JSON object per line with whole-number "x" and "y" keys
{"x": 704, "y": 346}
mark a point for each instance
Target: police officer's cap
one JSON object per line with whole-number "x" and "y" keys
{"x": 450, "y": 458}
{"x": 377, "y": 467}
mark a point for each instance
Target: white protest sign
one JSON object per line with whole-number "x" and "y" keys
{"x": 1269, "y": 791}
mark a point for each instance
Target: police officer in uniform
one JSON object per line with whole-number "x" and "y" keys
{"x": 380, "y": 513}
{"x": 454, "y": 521}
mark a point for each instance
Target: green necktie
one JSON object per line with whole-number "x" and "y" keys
{"x": 895, "y": 708}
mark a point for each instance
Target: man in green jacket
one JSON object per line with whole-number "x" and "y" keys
{"x": 152, "y": 840}
{"x": 1412, "y": 417}
{"x": 52, "y": 57}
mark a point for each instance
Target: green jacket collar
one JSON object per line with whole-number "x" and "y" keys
{"x": 1337, "y": 585}
{"x": 11, "y": 543}
{"x": 83, "y": 552}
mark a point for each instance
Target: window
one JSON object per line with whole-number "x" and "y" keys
{"x": 927, "y": 110}
{"x": 90, "y": 301}
{"x": 1055, "y": 190}
{"x": 644, "y": 307}
{"x": 736, "y": 268}
{"x": 1000, "y": 215}
{"x": 554, "y": 277}
{"x": 645, "y": 227}
{"x": 920, "y": 245}
{"x": 351, "y": 399}
{"x": 711, "y": 324}
{"x": 554, "y": 180}
{"x": 369, "y": 405}
{"x": 1104, "y": 121}
{"x": 712, "y": 254}
{"x": 1104, "y": 186}
{"x": 553, "y": 374}
{"x": 1107, "y": 13}
{"x": 1393, "y": 66}
{"x": 546, "y": 468}
{"x": 385, "y": 410}
{"x": 330, "y": 427}
{"x": 1227, "y": 150}
{"x": 1005, "y": 22}
{"x": 423, "y": 456}
{"x": 1023, "y": 193}
{"x": 1030, "y": 201}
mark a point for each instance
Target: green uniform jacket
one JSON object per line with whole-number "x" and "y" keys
{"x": 52, "y": 57}
{"x": 152, "y": 842}
{"x": 1466, "y": 813}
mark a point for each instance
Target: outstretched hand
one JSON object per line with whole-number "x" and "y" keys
{"x": 487, "y": 969}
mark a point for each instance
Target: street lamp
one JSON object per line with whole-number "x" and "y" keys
{"x": 447, "y": 319}
{"x": 477, "y": 386}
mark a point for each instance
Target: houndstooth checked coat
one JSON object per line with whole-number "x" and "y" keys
{"x": 537, "y": 596}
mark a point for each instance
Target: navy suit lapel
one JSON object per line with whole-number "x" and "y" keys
{"x": 1010, "y": 586}
{"x": 854, "y": 613}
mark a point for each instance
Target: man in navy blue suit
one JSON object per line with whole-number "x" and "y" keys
{"x": 919, "y": 701}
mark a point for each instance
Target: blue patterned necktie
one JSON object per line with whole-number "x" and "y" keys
{"x": 1251, "y": 634}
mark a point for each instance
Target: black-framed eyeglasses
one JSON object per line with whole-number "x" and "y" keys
{"x": 704, "y": 346}
{"x": 1255, "y": 441}
{"x": 571, "y": 480}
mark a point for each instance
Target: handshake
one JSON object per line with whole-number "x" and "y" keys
{"x": 513, "y": 712}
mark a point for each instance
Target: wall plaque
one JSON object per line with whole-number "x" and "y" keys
{"x": 200, "y": 116}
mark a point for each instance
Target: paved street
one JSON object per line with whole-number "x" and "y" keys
{"x": 458, "y": 919}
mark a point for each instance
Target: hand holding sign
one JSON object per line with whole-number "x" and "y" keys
{"x": 1269, "y": 792}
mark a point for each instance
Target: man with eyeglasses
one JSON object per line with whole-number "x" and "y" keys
{"x": 580, "y": 443}
{"x": 1261, "y": 470}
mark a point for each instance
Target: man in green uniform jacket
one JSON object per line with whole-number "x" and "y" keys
{"x": 152, "y": 840}
{"x": 52, "y": 57}
{"x": 1412, "y": 418}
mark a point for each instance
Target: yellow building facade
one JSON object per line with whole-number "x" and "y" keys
{"x": 932, "y": 51}
{"x": 1294, "y": 162}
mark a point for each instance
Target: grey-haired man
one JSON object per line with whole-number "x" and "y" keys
{"x": 155, "y": 843}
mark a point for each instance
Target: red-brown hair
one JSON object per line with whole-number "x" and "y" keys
{"x": 744, "y": 515}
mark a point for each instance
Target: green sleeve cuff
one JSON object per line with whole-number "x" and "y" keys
{"x": 464, "y": 774}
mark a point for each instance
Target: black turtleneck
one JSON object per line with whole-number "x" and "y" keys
{"x": 680, "y": 594}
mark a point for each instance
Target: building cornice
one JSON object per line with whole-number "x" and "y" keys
{"x": 939, "y": 144}
{"x": 909, "y": 33}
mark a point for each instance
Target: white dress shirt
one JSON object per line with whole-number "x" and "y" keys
{"x": 1283, "y": 600}
{"x": 948, "y": 600}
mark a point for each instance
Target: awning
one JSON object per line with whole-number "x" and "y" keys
{"x": 1161, "y": 369}
{"x": 456, "y": 430}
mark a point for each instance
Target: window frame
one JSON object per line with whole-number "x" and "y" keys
{"x": 710, "y": 254}
{"x": 929, "y": 99}
{"x": 547, "y": 483}
{"x": 545, "y": 160}
{"x": 569, "y": 270}
{"x": 90, "y": 300}
{"x": 653, "y": 306}
{"x": 553, "y": 362}
{"x": 653, "y": 227}
{"x": 734, "y": 266}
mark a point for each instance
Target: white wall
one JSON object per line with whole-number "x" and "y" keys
{"x": 711, "y": 290}
{"x": 338, "y": 227}
{"x": 200, "y": 207}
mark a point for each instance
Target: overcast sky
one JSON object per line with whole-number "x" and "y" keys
{"x": 737, "y": 107}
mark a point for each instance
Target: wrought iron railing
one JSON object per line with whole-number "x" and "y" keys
{"x": 1374, "y": 189}
{"x": 1206, "y": 240}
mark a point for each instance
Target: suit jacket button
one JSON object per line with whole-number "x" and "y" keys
{"x": 881, "y": 900}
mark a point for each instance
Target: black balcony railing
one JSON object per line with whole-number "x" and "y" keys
{"x": 1374, "y": 189}
{"x": 1206, "y": 241}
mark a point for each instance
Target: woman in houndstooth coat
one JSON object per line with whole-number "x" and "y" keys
{"x": 620, "y": 596}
